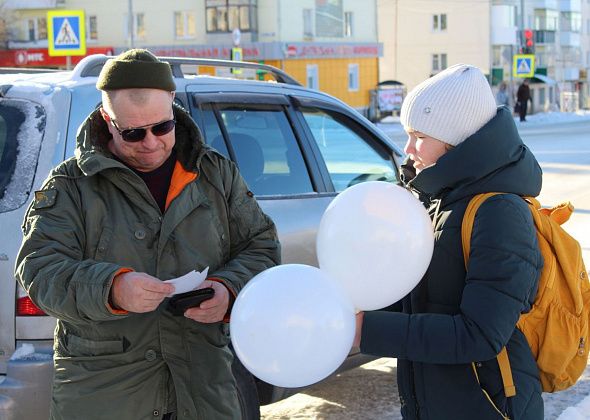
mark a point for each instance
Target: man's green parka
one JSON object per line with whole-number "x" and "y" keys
{"x": 96, "y": 217}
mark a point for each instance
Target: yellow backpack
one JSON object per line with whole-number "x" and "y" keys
{"x": 557, "y": 326}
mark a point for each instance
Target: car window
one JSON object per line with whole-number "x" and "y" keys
{"x": 264, "y": 147}
{"x": 350, "y": 155}
{"x": 22, "y": 125}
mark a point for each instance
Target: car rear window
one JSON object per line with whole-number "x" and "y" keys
{"x": 22, "y": 124}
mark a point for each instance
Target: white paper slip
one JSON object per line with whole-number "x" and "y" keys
{"x": 188, "y": 282}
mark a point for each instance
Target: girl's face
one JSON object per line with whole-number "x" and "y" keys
{"x": 424, "y": 150}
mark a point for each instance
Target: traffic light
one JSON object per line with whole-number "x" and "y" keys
{"x": 528, "y": 44}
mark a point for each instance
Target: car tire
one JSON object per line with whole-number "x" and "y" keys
{"x": 247, "y": 393}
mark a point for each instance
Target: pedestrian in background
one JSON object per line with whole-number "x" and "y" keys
{"x": 457, "y": 319}
{"x": 523, "y": 96}
{"x": 502, "y": 97}
{"x": 143, "y": 200}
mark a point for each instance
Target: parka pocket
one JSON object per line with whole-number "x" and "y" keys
{"x": 103, "y": 243}
{"x": 78, "y": 346}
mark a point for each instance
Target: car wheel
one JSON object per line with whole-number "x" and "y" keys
{"x": 247, "y": 394}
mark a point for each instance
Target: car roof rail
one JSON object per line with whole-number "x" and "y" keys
{"x": 91, "y": 65}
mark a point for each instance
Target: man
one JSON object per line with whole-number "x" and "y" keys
{"x": 143, "y": 200}
{"x": 523, "y": 96}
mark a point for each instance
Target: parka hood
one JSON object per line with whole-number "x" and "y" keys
{"x": 492, "y": 159}
{"x": 93, "y": 136}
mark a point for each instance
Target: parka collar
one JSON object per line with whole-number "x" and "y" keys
{"x": 93, "y": 136}
{"x": 492, "y": 159}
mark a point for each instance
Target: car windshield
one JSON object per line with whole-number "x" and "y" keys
{"x": 22, "y": 124}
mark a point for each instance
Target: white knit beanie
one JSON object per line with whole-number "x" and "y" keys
{"x": 451, "y": 105}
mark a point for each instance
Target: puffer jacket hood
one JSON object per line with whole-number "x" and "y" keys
{"x": 492, "y": 159}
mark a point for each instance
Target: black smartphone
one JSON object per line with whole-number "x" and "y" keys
{"x": 182, "y": 301}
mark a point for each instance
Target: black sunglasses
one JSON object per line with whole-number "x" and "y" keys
{"x": 135, "y": 134}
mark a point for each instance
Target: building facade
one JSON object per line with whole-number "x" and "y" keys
{"x": 422, "y": 37}
{"x": 331, "y": 45}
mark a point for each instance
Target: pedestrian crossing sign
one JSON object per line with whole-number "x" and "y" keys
{"x": 66, "y": 32}
{"x": 523, "y": 65}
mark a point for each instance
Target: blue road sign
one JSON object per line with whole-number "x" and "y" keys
{"x": 66, "y": 32}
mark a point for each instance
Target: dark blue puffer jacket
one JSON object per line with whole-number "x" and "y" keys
{"x": 457, "y": 316}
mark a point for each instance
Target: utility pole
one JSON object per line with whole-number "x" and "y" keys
{"x": 130, "y": 26}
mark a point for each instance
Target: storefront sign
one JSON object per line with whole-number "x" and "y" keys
{"x": 38, "y": 57}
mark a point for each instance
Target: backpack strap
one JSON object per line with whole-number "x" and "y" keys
{"x": 466, "y": 230}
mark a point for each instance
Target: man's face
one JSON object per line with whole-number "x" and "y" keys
{"x": 131, "y": 108}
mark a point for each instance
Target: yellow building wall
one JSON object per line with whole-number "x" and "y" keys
{"x": 333, "y": 77}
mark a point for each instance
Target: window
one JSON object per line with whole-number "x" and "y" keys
{"x": 31, "y": 30}
{"x": 92, "y": 30}
{"x": 439, "y": 62}
{"x": 263, "y": 145}
{"x": 185, "y": 25}
{"x": 308, "y": 23}
{"x": 227, "y": 15}
{"x": 347, "y": 152}
{"x": 138, "y": 25}
{"x": 439, "y": 22}
{"x": 22, "y": 125}
{"x": 312, "y": 76}
{"x": 329, "y": 18}
{"x": 348, "y": 24}
{"x": 353, "y": 77}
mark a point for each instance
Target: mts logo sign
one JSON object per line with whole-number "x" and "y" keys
{"x": 22, "y": 57}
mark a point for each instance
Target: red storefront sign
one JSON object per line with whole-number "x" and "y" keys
{"x": 38, "y": 57}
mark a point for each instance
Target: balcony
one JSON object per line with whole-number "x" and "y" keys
{"x": 546, "y": 4}
{"x": 569, "y": 39}
{"x": 570, "y": 5}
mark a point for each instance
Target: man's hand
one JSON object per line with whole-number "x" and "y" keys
{"x": 211, "y": 310}
{"x": 139, "y": 292}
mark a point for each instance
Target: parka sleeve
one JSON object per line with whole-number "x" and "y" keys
{"x": 51, "y": 266}
{"x": 253, "y": 235}
{"x": 502, "y": 276}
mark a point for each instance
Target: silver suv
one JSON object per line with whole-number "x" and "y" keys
{"x": 296, "y": 147}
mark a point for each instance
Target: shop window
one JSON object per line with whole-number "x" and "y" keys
{"x": 313, "y": 81}
{"x": 353, "y": 77}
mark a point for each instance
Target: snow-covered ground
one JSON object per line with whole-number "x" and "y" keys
{"x": 391, "y": 125}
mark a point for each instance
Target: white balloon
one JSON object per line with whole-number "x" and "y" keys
{"x": 292, "y": 325}
{"x": 376, "y": 239}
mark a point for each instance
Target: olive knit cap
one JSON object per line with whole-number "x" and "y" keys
{"x": 136, "y": 68}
